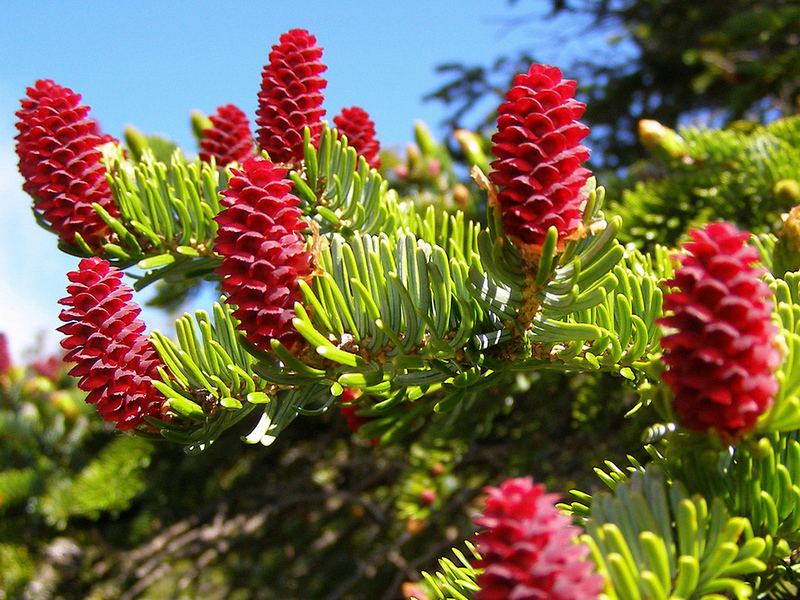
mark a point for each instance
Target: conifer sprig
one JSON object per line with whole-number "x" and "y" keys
{"x": 651, "y": 538}
{"x": 207, "y": 378}
{"x": 166, "y": 213}
{"x": 340, "y": 191}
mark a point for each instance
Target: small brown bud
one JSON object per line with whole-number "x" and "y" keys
{"x": 437, "y": 469}
{"x": 415, "y": 526}
{"x": 460, "y": 194}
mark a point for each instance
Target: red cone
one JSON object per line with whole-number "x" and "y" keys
{"x": 721, "y": 357}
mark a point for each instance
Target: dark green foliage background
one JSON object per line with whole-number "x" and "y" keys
{"x": 316, "y": 515}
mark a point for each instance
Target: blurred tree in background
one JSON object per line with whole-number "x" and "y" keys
{"x": 668, "y": 60}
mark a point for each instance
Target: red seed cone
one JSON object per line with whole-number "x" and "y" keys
{"x": 354, "y": 421}
{"x": 291, "y": 96}
{"x": 349, "y": 407}
{"x": 354, "y": 122}
{"x": 116, "y": 362}
{"x": 721, "y": 357}
{"x": 59, "y": 157}
{"x": 264, "y": 254}
{"x": 528, "y": 548}
{"x": 230, "y": 139}
{"x": 5, "y": 355}
{"x": 538, "y": 152}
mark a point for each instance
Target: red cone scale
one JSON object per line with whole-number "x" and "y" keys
{"x": 291, "y": 96}
{"x": 721, "y": 356}
{"x": 30, "y": 103}
{"x": 116, "y": 361}
{"x": 528, "y": 548}
{"x": 264, "y": 254}
{"x": 59, "y": 156}
{"x": 230, "y": 139}
{"x": 355, "y": 123}
{"x": 538, "y": 152}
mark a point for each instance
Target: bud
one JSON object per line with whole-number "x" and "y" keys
{"x": 787, "y": 192}
{"x": 473, "y": 151}
{"x": 460, "y": 194}
{"x": 437, "y": 469}
{"x": 401, "y": 171}
{"x": 662, "y": 142}
{"x": 349, "y": 408}
{"x": 424, "y": 139}
{"x": 415, "y": 526}
{"x": 136, "y": 142}
{"x": 200, "y": 122}
{"x": 433, "y": 168}
{"x": 413, "y": 156}
{"x": 786, "y": 254}
{"x": 427, "y": 497}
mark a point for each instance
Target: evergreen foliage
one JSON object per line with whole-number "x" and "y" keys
{"x": 466, "y": 357}
{"x": 741, "y": 174}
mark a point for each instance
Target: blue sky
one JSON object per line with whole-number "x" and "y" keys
{"x": 150, "y": 63}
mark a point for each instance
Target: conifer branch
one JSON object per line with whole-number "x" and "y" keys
{"x": 339, "y": 291}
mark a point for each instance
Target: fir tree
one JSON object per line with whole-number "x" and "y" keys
{"x": 454, "y": 345}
